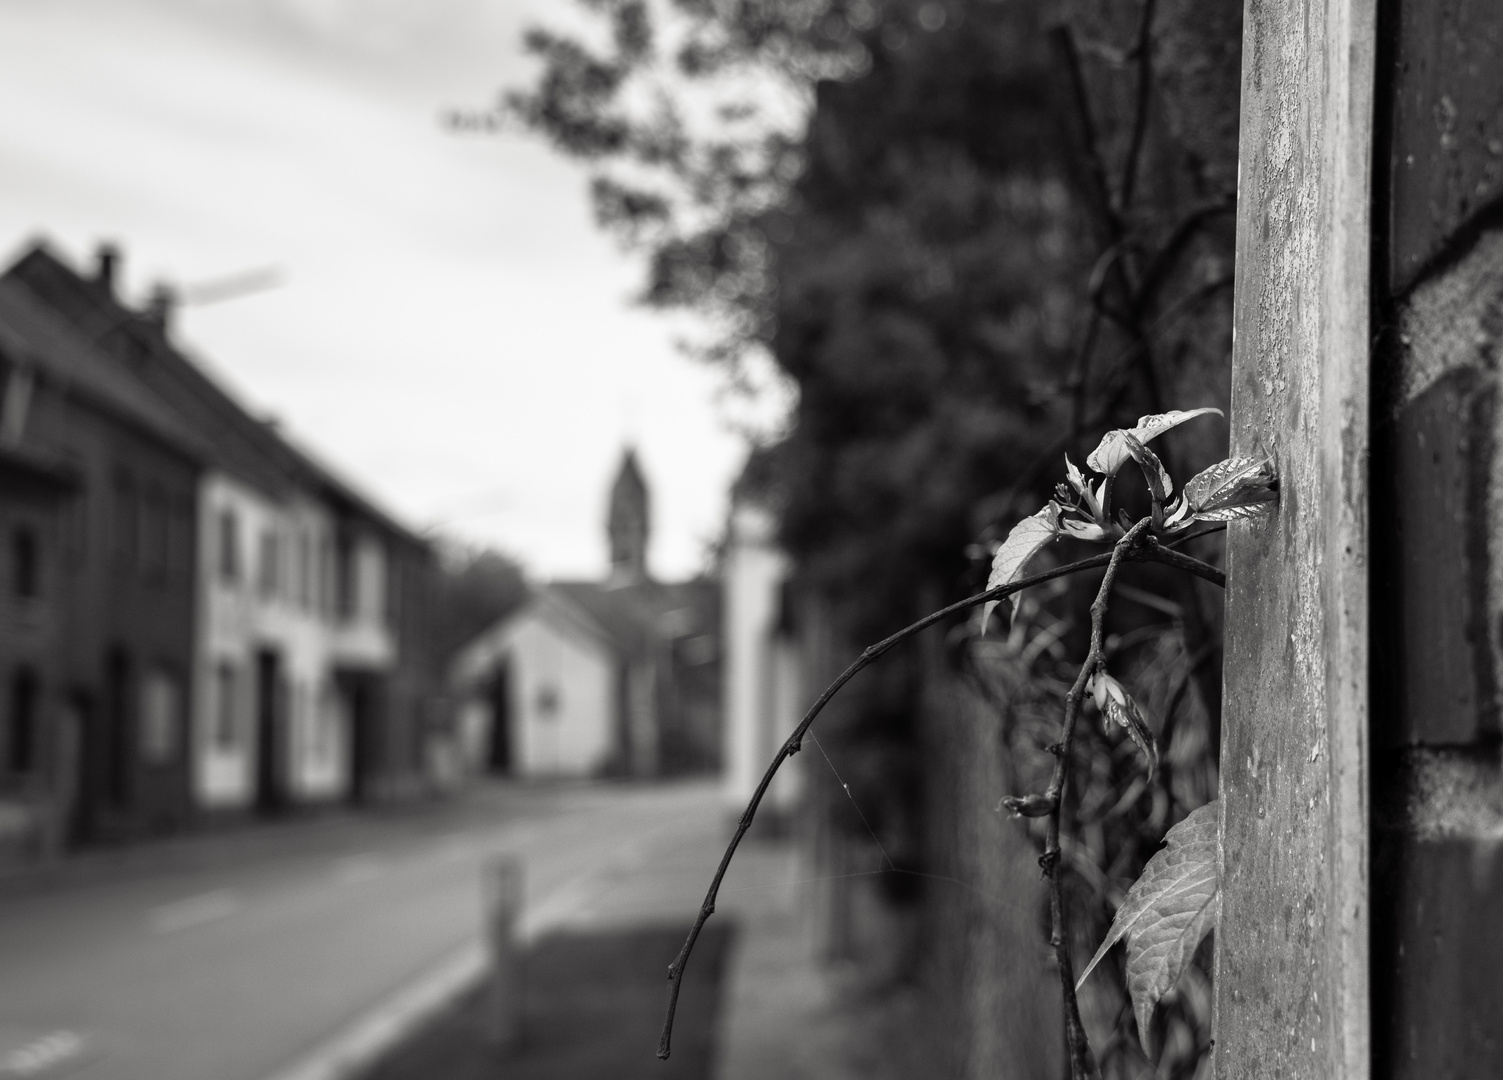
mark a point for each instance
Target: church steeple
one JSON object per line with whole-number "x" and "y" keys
{"x": 627, "y": 524}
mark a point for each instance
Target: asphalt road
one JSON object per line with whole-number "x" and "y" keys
{"x": 227, "y": 958}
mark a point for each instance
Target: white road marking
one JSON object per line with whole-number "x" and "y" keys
{"x": 41, "y": 1054}
{"x": 354, "y": 1049}
{"x": 363, "y": 1042}
{"x": 194, "y": 911}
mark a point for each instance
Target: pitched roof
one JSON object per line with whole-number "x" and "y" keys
{"x": 238, "y": 442}
{"x": 62, "y": 356}
{"x": 635, "y": 615}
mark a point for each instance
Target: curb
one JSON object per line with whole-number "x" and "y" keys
{"x": 369, "y": 1037}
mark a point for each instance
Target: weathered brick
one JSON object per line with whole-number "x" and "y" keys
{"x": 1442, "y": 447}
{"x": 1438, "y": 957}
{"x": 1446, "y": 116}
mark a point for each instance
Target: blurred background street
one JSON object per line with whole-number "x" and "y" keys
{"x": 435, "y": 433}
{"x": 234, "y": 956}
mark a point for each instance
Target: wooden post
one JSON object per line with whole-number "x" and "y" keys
{"x": 1292, "y": 944}
{"x": 507, "y": 988}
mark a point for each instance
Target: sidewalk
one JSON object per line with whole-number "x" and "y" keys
{"x": 785, "y": 1015}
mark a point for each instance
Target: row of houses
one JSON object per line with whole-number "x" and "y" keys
{"x": 197, "y": 619}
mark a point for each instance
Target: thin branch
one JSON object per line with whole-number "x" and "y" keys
{"x": 1097, "y": 185}
{"x": 1162, "y": 260}
{"x": 1140, "y": 550}
{"x": 1153, "y": 551}
{"x": 795, "y": 742}
{"x": 1140, "y": 116}
{"x": 1075, "y": 1036}
{"x": 1210, "y": 531}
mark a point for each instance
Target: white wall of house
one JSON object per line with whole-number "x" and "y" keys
{"x": 563, "y": 691}
{"x": 267, "y": 582}
{"x": 762, "y": 681}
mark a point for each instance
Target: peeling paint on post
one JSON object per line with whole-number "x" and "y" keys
{"x": 1291, "y": 950}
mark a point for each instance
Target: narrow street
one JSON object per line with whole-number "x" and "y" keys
{"x": 228, "y": 958}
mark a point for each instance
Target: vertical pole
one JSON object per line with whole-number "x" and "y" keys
{"x": 1292, "y": 943}
{"x": 506, "y": 990}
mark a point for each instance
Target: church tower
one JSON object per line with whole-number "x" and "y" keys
{"x": 627, "y": 523}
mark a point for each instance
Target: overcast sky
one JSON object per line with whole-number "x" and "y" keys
{"x": 452, "y": 333}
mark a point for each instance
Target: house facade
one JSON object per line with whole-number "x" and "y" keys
{"x": 97, "y": 507}
{"x": 306, "y": 679}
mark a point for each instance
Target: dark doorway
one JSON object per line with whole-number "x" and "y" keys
{"x": 271, "y": 738}
{"x": 73, "y": 786}
{"x": 500, "y": 700}
{"x": 360, "y": 694}
{"x": 21, "y": 741}
{"x": 90, "y": 752}
{"x": 114, "y": 740}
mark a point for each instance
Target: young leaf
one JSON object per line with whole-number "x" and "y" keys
{"x": 1245, "y": 512}
{"x": 1166, "y": 913}
{"x": 1118, "y": 707}
{"x": 1238, "y": 487}
{"x": 1082, "y": 530}
{"x": 1159, "y": 484}
{"x": 1112, "y": 452}
{"x": 1074, "y": 475}
{"x": 1151, "y": 427}
{"x": 1022, "y": 544}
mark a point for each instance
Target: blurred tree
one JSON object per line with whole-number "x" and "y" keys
{"x": 475, "y": 588}
{"x": 875, "y": 194}
{"x": 974, "y": 235}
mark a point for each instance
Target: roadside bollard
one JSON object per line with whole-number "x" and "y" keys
{"x": 506, "y": 991}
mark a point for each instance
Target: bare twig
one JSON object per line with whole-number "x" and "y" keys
{"x": 1075, "y": 1037}
{"x": 1144, "y": 53}
{"x": 1180, "y": 541}
{"x": 1162, "y": 260}
{"x": 1141, "y": 549}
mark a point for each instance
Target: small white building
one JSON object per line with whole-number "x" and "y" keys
{"x": 540, "y": 692}
{"x": 616, "y": 676}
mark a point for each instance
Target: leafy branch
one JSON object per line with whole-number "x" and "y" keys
{"x": 1236, "y": 488}
{"x": 1230, "y": 489}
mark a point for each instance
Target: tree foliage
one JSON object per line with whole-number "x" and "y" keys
{"x": 974, "y": 235}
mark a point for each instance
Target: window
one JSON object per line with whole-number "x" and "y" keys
{"x": 226, "y": 731}
{"x": 21, "y": 733}
{"x": 161, "y": 717}
{"x": 126, "y": 525}
{"x": 229, "y": 547}
{"x": 74, "y": 521}
{"x": 396, "y": 567}
{"x": 325, "y": 577}
{"x": 180, "y": 540}
{"x": 346, "y": 581}
{"x": 268, "y": 569}
{"x": 25, "y": 568}
{"x": 154, "y": 535}
{"x": 305, "y": 569}
{"x": 326, "y": 723}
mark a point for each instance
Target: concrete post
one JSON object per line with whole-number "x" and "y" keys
{"x": 506, "y": 989}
